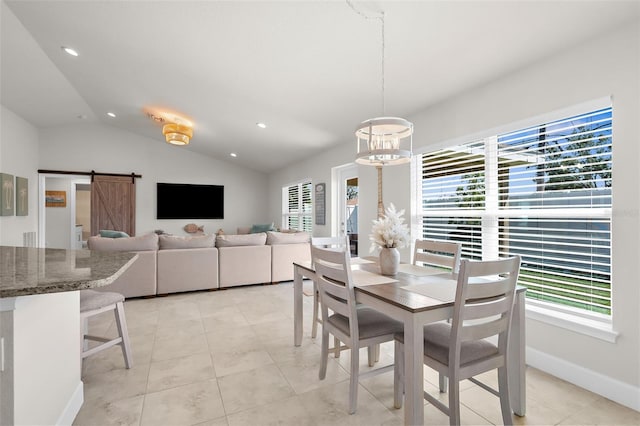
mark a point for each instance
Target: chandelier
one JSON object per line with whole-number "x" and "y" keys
{"x": 383, "y": 141}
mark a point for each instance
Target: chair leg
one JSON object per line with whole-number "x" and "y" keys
{"x": 336, "y": 347}
{"x": 316, "y": 304}
{"x": 398, "y": 374}
{"x": 503, "y": 389}
{"x": 353, "y": 381}
{"x": 124, "y": 334}
{"x": 454, "y": 402}
{"x": 371, "y": 355}
{"x": 324, "y": 353}
{"x": 442, "y": 380}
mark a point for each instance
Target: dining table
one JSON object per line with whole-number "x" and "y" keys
{"x": 416, "y": 296}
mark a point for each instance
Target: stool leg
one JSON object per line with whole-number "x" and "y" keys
{"x": 124, "y": 334}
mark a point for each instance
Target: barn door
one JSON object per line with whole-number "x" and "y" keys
{"x": 113, "y": 204}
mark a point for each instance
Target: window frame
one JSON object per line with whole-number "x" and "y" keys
{"x": 301, "y": 214}
{"x": 578, "y": 320}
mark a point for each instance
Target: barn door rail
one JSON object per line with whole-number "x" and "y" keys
{"x": 92, "y": 173}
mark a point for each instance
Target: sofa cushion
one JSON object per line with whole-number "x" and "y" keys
{"x": 141, "y": 243}
{"x": 262, "y": 228}
{"x": 177, "y": 242}
{"x": 108, "y": 233}
{"x": 241, "y": 240}
{"x": 287, "y": 238}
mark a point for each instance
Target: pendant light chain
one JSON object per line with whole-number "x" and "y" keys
{"x": 382, "y": 73}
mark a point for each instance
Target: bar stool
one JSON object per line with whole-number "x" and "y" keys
{"x": 96, "y": 302}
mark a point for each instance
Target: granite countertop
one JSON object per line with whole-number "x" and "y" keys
{"x": 27, "y": 270}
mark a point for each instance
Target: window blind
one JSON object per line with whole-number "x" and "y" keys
{"x": 543, "y": 192}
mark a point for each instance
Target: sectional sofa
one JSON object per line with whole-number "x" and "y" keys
{"x": 171, "y": 264}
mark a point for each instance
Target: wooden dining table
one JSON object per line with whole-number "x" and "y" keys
{"x": 416, "y": 296}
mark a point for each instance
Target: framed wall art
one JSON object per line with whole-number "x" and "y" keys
{"x": 22, "y": 196}
{"x": 55, "y": 198}
{"x": 319, "y": 203}
{"x": 7, "y": 196}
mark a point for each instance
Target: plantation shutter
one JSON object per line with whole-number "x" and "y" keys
{"x": 298, "y": 205}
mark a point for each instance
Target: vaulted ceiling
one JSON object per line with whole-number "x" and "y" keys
{"x": 310, "y": 70}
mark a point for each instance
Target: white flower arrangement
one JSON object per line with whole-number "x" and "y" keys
{"x": 389, "y": 231}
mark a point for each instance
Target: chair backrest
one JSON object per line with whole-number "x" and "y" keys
{"x": 335, "y": 284}
{"x": 484, "y": 302}
{"x": 438, "y": 253}
{"x": 331, "y": 242}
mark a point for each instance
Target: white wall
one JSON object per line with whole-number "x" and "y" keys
{"x": 58, "y": 219}
{"x": 106, "y": 149}
{"x": 18, "y": 157}
{"x": 606, "y": 66}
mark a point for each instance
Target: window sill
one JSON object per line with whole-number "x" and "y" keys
{"x": 591, "y": 327}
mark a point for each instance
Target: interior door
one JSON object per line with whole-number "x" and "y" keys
{"x": 113, "y": 204}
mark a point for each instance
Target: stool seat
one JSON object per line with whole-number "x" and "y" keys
{"x": 94, "y": 302}
{"x": 91, "y": 299}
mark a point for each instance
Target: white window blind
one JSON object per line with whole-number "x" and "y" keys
{"x": 542, "y": 192}
{"x": 297, "y": 207}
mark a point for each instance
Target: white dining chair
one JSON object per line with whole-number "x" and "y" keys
{"x": 336, "y": 243}
{"x": 94, "y": 302}
{"x": 437, "y": 253}
{"x": 356, "y": 327}
{"x": 459, "y": 350}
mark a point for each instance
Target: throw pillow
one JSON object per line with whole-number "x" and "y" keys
{"x": 176, "y": 242}
{"x": 262, "y": 228}
{"x": 108, "y": 233}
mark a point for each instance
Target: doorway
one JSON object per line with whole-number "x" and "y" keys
{"x": 348, "y": 205}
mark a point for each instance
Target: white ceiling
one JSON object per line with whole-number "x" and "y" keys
{"x": 311, "y": 70}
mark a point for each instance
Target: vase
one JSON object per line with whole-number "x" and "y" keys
{"x": 389, "y": 261}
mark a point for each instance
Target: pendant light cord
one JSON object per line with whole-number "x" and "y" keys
{"x": 382, "y": 38}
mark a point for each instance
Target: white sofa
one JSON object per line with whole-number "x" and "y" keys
{"x": 171, "y": 264}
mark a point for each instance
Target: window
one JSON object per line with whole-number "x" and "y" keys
{"x": 542, "y": 192}
{"x": 297, "y": 210}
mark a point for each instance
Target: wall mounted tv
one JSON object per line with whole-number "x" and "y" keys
{"x": 189, "y": 201}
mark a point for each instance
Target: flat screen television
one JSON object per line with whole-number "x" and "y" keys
{"x": 189, "y": 201}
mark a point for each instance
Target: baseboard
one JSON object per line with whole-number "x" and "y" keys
{"x": 72, "y": 409}
{"x": 615, "y": 390}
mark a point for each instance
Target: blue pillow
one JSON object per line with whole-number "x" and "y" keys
{"x": 262, "y": 228}
{"x": 113, "y": 234}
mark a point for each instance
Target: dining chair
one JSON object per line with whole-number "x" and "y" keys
{"x": 336, "y": 243}
{"x": 438, "y": 253}
{"x": 356, "y": 327}
{"x": 459, "y": 350}
{"x": 94, "y": 302}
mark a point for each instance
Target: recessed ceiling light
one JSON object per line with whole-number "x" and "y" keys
{"x": 69, "y": 51}
{"x": 233, "y": 154}
{"x": 112, "y": 115}
{"x": 261, "y": 125}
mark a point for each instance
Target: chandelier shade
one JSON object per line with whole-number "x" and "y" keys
{"x": 177, "y": 134}
{"x": 384, "y": 141}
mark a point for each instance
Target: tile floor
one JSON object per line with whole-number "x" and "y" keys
{"x": 227, "y": 358}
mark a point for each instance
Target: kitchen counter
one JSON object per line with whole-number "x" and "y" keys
{"x": 40, "y": 330}
{"x": 27, "y": 270}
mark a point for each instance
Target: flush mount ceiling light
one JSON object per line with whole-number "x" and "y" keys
{"x": 177, "y": 134}
{"x": 111, "y": 114}
{"x": 69, "y": 50}
{"x": 261, "y": 125}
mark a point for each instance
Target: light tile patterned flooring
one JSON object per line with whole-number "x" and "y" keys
{"x": 227, "y": 357}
